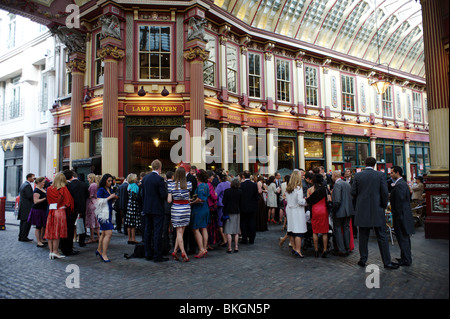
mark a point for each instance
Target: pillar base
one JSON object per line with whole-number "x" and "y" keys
{"x": 437, "y": 199}
{"x": 110, "y": 155}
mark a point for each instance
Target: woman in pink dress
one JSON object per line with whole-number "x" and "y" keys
{"x": 91, "y": 219}
{"x": 316, "y": 197}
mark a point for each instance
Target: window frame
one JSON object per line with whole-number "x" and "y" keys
{"x": 97, "y": 60}
{"x": 214, "y": 63}
{"x": 351, "y": 94}
{"x": 235, "y": 71}
{"x": 385, "y": 103}
{"x": 416, "y": 107}
{"x": 260, "y": 76}
{"x": 287, "y": 84}
{"x": 316, "y": 88}
{"x": 172, "y": 52}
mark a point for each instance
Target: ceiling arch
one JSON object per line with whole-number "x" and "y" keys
{"x": 379, "y": 31}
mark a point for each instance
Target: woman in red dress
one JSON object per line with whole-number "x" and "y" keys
{"x": 59, "y": 200}
{"x": 316, "y": 197}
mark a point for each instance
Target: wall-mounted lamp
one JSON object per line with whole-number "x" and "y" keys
{"x": 156, "y": 141}
{"x": 142, "y": 92}
{"x": 263, "y": 108}
{"x": 164, "y": 92}
{"x": 55, "y": 105}
{"x": 293, "y": 111}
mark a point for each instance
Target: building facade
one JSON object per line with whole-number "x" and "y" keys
{"x": 27, "y": 83}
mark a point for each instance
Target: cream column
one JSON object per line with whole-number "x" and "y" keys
{"x": 329, "y": 158}
{"x": 224, "y": 133}
{"x": 87, "y": 134}
{"x": 269, "y": 67}
{"x": 271, "y": 151}
{"x": 301, "y": 149}
{"x": 110, "y": 54}
{"x": 373, "y": 148}
{"x": 56, "y": 143}
{"x": 408, "y": 164}
{"x": 77, "y": 66}
{"x": 245, "y": 147}
{"x": 223, "y": 66}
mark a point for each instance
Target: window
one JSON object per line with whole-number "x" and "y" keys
{"x": 283, "y": 81}
{"x": 209, "y": 66}
{"x": 387, "y": 103}
{"x": 99, "y": 64}
{"x": 15, "y": 98}
{"x": 254, "y": 75}
{"x": 11, "y": 42}
{"x": 417, "y": 107}
{"x": 68, "y": 79}
{"x": 154, "y": 52}
{"x": 348, "y": 93}
{"x": 232, "y": 68}
{"x": 312, "y": 86}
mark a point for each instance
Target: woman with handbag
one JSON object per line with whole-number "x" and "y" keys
{"x": 59, "y": 200}
{"x": 133, "y": 212}
{"x": 317, "y": 198}
{"x": 232, "y": 199}
{"x": 105, "y": 199}
{"x": 200, "y": 213}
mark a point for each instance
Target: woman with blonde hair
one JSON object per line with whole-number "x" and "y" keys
{"x": 178, "y": 193}
{"x": 59, "y": 200}
{"x": 91, "y": 219}
{"x": 295, "y": 213}
{"x": 133, "y": 212}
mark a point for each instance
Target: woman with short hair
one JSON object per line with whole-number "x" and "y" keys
{"x": 133, "y": 212}
{"x": 232, "y": 199}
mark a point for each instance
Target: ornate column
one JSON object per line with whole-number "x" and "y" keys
{"x": 270, "y": 77}
{"x": 436, "y": 67}
{"x": 224, "y": 132}
{"x": 110, "y": 53}
{"x": 328, "y": 152}
{"x": 407, "y": 164}
{"x": 77, "y": 66}
{"x": 245, "y": 152}
{"x": 196, "y": 54}
{"x": 301, "y": 149}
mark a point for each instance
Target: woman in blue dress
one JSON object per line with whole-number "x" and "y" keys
{"x": 106, "y": 225}
{"x": 200, "y": 214}
{"x": 178, "y": 195}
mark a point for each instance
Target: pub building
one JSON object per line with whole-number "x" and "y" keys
{"x": 143, "y": 70}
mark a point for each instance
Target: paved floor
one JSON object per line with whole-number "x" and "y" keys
{"x": 259, "y": 271}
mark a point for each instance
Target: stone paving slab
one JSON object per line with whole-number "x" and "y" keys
{"x": 262, "y": 271}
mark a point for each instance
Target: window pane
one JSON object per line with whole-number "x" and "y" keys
{"x": 380, "y": 153}
{"x": 389, "y": 155}
{"x": 363, "y": 153}
{"x": 313, "y": 149}
{"x": 143, "y": 38}
{"x": 336, "y": 151}
{"x": 165, "y": 39}
{"x": 349, "y": 154}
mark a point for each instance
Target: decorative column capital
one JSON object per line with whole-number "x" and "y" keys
{"x": 196, "y": 54}
{"x": 76, "y": 65}
{"x": 110, "y": 51}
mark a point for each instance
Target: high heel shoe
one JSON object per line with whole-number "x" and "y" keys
{"x": 58, "y": 256}
{"x": 202, "y": 254}
{"x": 175, "y": 257}
{"x": 316, "y": 253}
{"x": 50, "y": 256}
{"x": 185, "y": 257}
{"x": 97, "y": 253}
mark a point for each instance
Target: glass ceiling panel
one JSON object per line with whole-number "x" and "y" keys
{"x": 346, "y": 26}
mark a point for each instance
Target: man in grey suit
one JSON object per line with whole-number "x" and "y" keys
{"x": 342, "y": 211}
{"x": 402, "y": 215}
{"x": 25, "y": 204}
{"x": 370, "y": 198}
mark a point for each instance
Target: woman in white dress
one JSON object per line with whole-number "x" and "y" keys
{"x": 272, "y": 203}
{"x": 295, "y": 213}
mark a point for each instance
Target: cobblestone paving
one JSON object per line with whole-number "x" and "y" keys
{"x": 259, "y": 271}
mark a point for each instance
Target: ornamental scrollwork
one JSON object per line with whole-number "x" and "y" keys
{"x": 79, "y": 65}
{"x": 195, "y": 53}
{"x": 110, "y": 51}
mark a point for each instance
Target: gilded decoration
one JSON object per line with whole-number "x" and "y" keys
{"x": 110, "y": 51}
{"x": 192, "y": 54}
{"x": 155, "y": 121}
{"x": 76, "y": 64}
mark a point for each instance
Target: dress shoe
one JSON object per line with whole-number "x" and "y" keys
{"x": 401, "y": 262}
{"x": 73, "y": 252}
{"x": 361, "y": 263}
{"x": 161, "y": 259}
{"x": 148, "y": 257}
{"x": 392, "y": 266}
{"x": 25, "y": 240}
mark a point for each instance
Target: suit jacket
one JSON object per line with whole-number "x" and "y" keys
{"x": 123, "y": 196}
{"x": 26, "y": 201}
{"x": 232, "y": 201}
{"x": 342, "y": 200}
{"x": 401, "y": 208}
{"x": 191, "y": 178}
{"x": 250, "y": 197}
{"x": 80, "y": 193}
{"x": 154, "y": 192}
{"x": 370, "y": 198}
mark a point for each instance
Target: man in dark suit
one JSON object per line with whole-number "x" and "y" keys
{"x": 402, "y": 215}
{"x": 250, "y": 198}
{"x": 154, "y": 193}
{"x": 370, "y": 198}
{"x": 25, "y": 204}
{"x": 80, "y": 193}
{"x": 123, "y": 203}
{"x": 342, "y": 211}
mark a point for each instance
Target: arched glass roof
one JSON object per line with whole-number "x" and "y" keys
{"x": 345, "y": 26}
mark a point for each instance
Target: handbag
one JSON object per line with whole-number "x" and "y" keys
{"x": 79, "y": 224}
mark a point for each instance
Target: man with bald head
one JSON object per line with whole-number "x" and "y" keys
{"x": 342, "y": 211}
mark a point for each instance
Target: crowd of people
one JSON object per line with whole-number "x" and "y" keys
{"x": 192, "y": 211}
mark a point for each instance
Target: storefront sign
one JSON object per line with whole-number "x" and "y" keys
{"x": 234, "y": 117}
{"x": 285, "y": 124}
{"x": 143, "y": 110}
{"x": 257, "y": 121}
{"x": 313, "y": 127}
